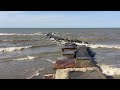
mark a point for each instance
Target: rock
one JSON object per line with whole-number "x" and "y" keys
{"x": 49, "y": 34}
{"x": 91, "y": 53}
{"x": 72, "y": 40}
{"x": 69, "y": 47}
{"x": 56, "y": 38}
{"x": 77, "y": 41}
{"x": 70, "y": 44}
{"x": 66, "y": 39}
{"x": 60, "y": 38}
{"x": 86, "y": 42}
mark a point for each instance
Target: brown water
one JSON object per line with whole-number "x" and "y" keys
{"x": 25, "y": 52}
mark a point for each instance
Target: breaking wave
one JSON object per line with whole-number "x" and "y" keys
{"x": 101, "y": 45}
{"x": 50, "y": 61}
{"x": 35, "y": 73}
{"x": 26, "y": 58}
{"x": 105, "y": 46}
{"x": 96, "y": 45}
{"x": 90, "y": 45}
{"x": 10, "y": 49}
{"x": 110, "y": 70}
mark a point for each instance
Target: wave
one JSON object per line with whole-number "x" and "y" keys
{"x": 26, "y": 58}
{"x": 105, "y": 46}
{"x": 109, "y": 70}
{"x": 10, "y": 49}
{"x": 39, "y": 33}
{"x": 96, "y": 45}
{"x": 116, "y": 46}
{"x": 102, "y": 46}
{"x": 50, "y": 61}
{"x": 35, "y": 73}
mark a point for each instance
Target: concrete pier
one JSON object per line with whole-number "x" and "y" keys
{"x": 78, "y": 63}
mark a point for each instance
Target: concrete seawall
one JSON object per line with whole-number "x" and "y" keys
{"x": 79, "y": 63}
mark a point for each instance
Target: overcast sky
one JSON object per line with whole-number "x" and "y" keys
{"x": 59, "y": 19}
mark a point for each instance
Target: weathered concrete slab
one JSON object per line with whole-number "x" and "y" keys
{"x": 70, "y": 44}
{"x": 69, "y": 52}
{"x": 61, "y": 64}
{"x": 72, "y": 63}
{"x": 69, "y": 47}
{"x": 84, "y": 63}
{"x": 86, "y": 75}
{"x": 79, "y": 73}
{"x": 82, "y": 53}
{"x": 64, "y": 49}
{"x": 49, "y": 76}
{"x": 70, "y": 56}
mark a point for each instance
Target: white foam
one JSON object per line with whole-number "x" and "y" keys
{"x": 35, "y": 73}
{"x": 81, "y": 43}
{"x": 10, "y": 49}
{"x": 26, "y": 58}
{"x": 50, "y": 61}
{"x": 104, "y": 46}
{"x": 52, "y": 39}
{"x": 110, "y": 70}
{"x": 100, "y": 45}
{"x": 39, "y": 33}
{"x": 63, "y": 42}
{"x": 91, "y": 45}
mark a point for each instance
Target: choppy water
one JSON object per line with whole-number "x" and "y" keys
{"x": 25, "y": 52}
